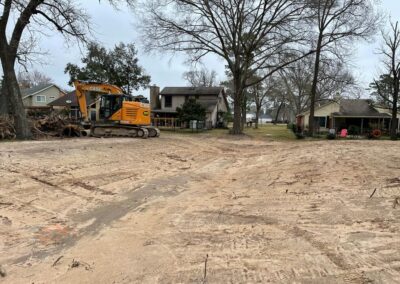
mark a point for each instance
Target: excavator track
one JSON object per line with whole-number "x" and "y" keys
{"x": 153, "y": 131}
{"x": 124, "y": 131}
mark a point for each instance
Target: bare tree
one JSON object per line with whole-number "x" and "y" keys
{"x": 251, "y": 36}
{"x": 201, "y": 78}
{"x": 388, "y": 87}
{"x": 260, "y": 94}
{"x": 28, "y": 80}
{"x": 17, "y": 17}
{"x": 337, "y": 23}
{"x": 62, "y": 15}
{"x": 334, "y": 80}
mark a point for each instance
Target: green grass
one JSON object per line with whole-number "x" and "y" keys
{"x": 270, "y": 131}
{"x": 266, "y": 131}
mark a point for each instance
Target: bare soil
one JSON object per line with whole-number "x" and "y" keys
{"x": 197, "y": 209}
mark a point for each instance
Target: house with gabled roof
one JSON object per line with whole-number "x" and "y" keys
{"x": 69, "y": 103}
{"x": 341, "y": 114}
{"x": 40, "y": 96}
{"x": 164, "y": 104}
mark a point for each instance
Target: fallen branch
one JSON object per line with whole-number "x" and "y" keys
{"x": 76, "y": 263}
{"x": 176, "y": 158}
{"x": 372, "y": 193}
{"x": 205, "y": 270}
{"x": 57, "y": 260}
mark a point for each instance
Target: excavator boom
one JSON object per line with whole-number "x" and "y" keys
{"x": 82, "y": 88}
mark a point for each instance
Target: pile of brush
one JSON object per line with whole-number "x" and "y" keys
{"x": 51, "y": 125}
{"x": 7, "y": 130}
{"x": 55, "y": 125}
{"x": 46, "y": 126}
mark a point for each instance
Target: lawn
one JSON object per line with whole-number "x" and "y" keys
{"x": 275, "y": 132}
{"x": 265, "y": 131}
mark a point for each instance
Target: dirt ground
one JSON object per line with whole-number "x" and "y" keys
{"x": 197, "y": 209}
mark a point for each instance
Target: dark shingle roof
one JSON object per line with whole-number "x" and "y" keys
{"x": 38, "y": 88}
{"x": 358, "y": 108}
{"x": 191, "y": 91}
{"x": 64, "y": 100}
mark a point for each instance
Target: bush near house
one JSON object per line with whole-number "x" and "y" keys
{"x": 331, "y": 136}
{"x": 191, "y": 110}
{"x": 374, "y": 134}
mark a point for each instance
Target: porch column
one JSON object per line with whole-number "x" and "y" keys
{"x": 362, "y": 126}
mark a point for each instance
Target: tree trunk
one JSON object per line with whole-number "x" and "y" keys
{"x": 16, "y": 107}
{"x": 4, "y": 109}
{"x": 258, "y": 109}
{"x": 311, "y": 127}
{"x": 244, "y": 111}
{"x": 277, "y": 113}
{"x": 237, "y": 117}
{"x": 237, "y": 106}
{"x": 393, "y": 128}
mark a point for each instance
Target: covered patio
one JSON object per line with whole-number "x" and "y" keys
{"x": 364, "y": 124}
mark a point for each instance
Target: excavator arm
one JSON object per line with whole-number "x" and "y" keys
{"x": 83, "y": 87}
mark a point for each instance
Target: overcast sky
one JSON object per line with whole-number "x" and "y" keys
{"x": 112, "y": 27}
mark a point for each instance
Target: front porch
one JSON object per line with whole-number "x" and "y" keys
{"x": 363, "y": 125}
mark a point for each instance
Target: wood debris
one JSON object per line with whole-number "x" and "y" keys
{"x": 48, "y": 125}
{"x": 7, "y": 130}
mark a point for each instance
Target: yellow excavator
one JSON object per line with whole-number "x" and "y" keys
{"x": 113, "y": 113}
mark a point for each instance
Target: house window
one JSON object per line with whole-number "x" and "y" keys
{"x": 320, "y": 121}
{"x": 168, "y": 101}
{"x": 40, "y": 99}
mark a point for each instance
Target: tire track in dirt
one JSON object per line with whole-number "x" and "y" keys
{"x": 47, "y": 183}
{"x": 103, "y": 216}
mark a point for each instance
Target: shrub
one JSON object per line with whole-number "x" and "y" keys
{"x": 191, "y": 110}
{"x": 354, "y": 130}
{"x": 294, "y": 128}
{"x": 300, "y": 135}
{"x": 331, "y": 136}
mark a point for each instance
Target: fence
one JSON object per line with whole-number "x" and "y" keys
{"x": 174, "y": 123}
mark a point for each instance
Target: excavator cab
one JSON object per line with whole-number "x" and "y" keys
{"x": 110, "y": 104}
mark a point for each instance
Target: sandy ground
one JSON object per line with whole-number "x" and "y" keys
{"x": 183, "y": 209}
